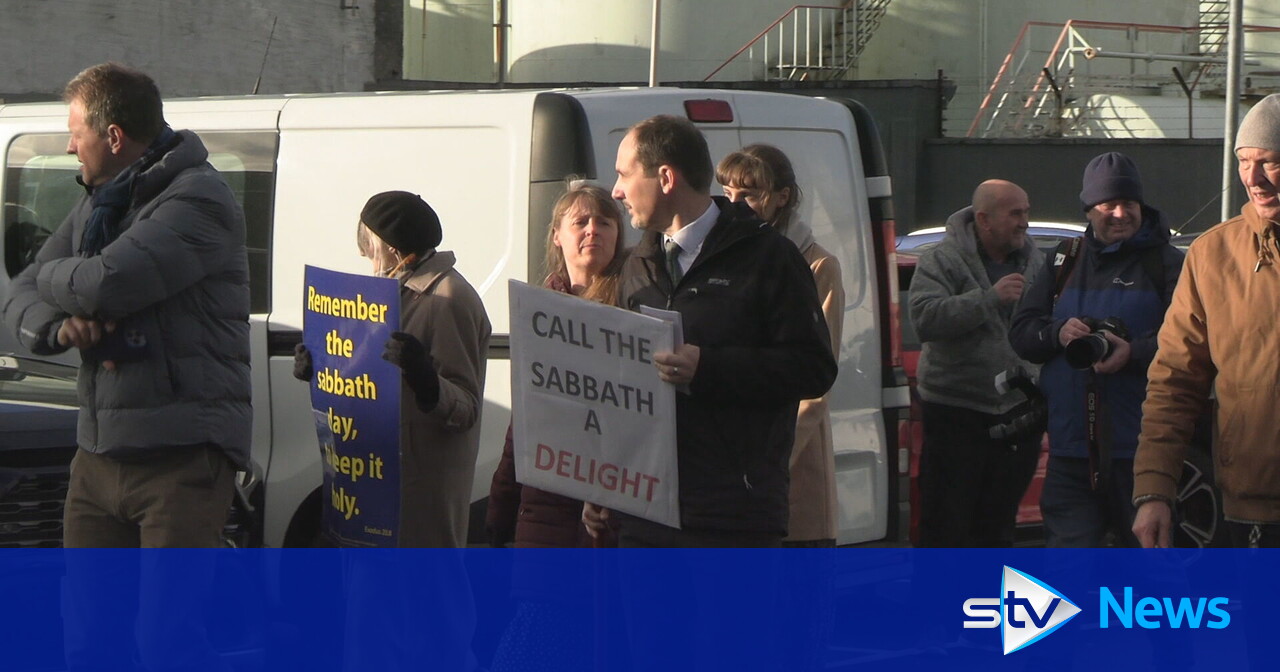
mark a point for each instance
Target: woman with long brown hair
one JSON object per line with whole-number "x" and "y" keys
{"x": 551, "y": 629}
{"x": 584, "y": 257}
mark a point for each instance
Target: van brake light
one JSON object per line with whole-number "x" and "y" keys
{"x": 708, "y": 110}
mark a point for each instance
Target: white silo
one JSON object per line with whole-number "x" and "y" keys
{"x": 587, "y": 40}
{"x": 577, "y": 40}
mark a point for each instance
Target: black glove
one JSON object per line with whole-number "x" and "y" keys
{"x": 419, "y": 370}
{"x": 121, "y": 345}
{"x": 303, "y": 369}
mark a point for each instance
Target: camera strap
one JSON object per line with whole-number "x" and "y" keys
{"x": 1068, "y": 251}
{"x": 1099, "y": 448}
{"x": 1064, "y": 259}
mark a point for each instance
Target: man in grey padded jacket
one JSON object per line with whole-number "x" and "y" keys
{"x": 148, "y": 278}
{"x": 972, "y": 471}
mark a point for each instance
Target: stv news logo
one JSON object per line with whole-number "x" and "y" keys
{"x": 1028, "y": 609}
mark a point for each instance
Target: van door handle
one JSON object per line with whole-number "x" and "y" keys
{"x": 281, "y": 343}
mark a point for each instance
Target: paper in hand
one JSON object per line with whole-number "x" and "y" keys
{"x": 676, "y": 321}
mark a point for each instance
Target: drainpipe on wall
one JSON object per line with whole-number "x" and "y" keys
{"x": 1235, "y": 53}
{"x": 653, "y": 43}
{"x": 983, "y": 79}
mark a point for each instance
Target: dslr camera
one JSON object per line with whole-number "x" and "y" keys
{"x": 1028, "y": 419}
{"x": 1086, "y": 351}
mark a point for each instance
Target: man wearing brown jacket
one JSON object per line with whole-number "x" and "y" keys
{"x": 1218, "y": 338}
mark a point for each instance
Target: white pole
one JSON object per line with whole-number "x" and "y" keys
{"x": 653, "y": 43}
{"x": 1235, "y": 53}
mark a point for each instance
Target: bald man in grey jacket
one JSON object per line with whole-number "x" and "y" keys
{"x": 962, "y": 299}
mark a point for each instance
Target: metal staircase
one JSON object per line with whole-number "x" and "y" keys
{"x": 867, "y": 15}
{"x": 808, "y": 42}
{"x": 1213, "y": 26}
{"x": 1085, "y": 78}
{"x": 1213, "y": 42}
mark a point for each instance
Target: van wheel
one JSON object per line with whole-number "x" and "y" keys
{"x": 1198, "y": 511}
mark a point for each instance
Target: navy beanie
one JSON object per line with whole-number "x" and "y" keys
{"x": 1109, "y": 177}
{"x": 403, "y": 220}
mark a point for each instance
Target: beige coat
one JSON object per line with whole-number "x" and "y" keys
{"x": 1219, "y": 336}
{"x": 813, "y": 466}
{"x": 438, "y": 449}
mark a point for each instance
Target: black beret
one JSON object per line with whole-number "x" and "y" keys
{"x": 403, "y": 220}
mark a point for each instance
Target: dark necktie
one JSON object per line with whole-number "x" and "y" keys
{"x": 673, "y": 261}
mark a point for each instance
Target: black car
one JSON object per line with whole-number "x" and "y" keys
{"x": 37, "y": 440}
{"x": 38, "y": 411}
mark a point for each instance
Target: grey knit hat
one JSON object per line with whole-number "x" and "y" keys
{"x": 1261, "y": 127}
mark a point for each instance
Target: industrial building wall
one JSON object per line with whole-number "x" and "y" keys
{"x": 1181, "y": 177}
{"x": 450, "y": 40}
{"x": 190, "y": 48}
{"x": 968, "y": 39}
{"x": 218, "y": 48}
{"x": 935, "y": 176}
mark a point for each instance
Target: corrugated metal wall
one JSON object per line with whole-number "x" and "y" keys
{"x": 190, "y": 48}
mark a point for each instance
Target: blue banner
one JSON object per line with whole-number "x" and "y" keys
{"x": 355, "y": 397}
{"x": 638, "y": 610}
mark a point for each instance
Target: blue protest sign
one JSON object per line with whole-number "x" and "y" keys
{"x": 355, "y": 397}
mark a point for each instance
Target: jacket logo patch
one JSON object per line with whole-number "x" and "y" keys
{"x": 1118, "y": 281}
{"x": 723, "y": 282}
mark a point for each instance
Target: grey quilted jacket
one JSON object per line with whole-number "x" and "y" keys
{"x": 177, "y": 276}
{"x": 963, "y": 326}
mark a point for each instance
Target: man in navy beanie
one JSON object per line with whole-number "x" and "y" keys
{"x": 1091, "y": 319}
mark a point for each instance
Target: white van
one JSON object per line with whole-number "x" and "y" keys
{"x": 491, "y": 164}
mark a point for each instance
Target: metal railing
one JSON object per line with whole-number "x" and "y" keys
{"x": 1213, "y": 41}
{"x": 800, "y": 44}
{"x": 1045, "y": 84}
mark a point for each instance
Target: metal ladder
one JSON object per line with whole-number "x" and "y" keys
{"x": 866, "y": 17}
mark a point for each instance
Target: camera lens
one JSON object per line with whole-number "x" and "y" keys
{"x": 1085, "y": 351}
{"x": 1031, "y": 421}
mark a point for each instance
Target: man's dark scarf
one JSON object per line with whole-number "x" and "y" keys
{"x": 111, "y": 200}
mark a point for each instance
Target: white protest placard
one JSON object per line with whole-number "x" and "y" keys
{"x": 591, "y": 419}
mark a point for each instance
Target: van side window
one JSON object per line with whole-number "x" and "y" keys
{"x": 247, "y": 161}
{"x": 41, "y": 188}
